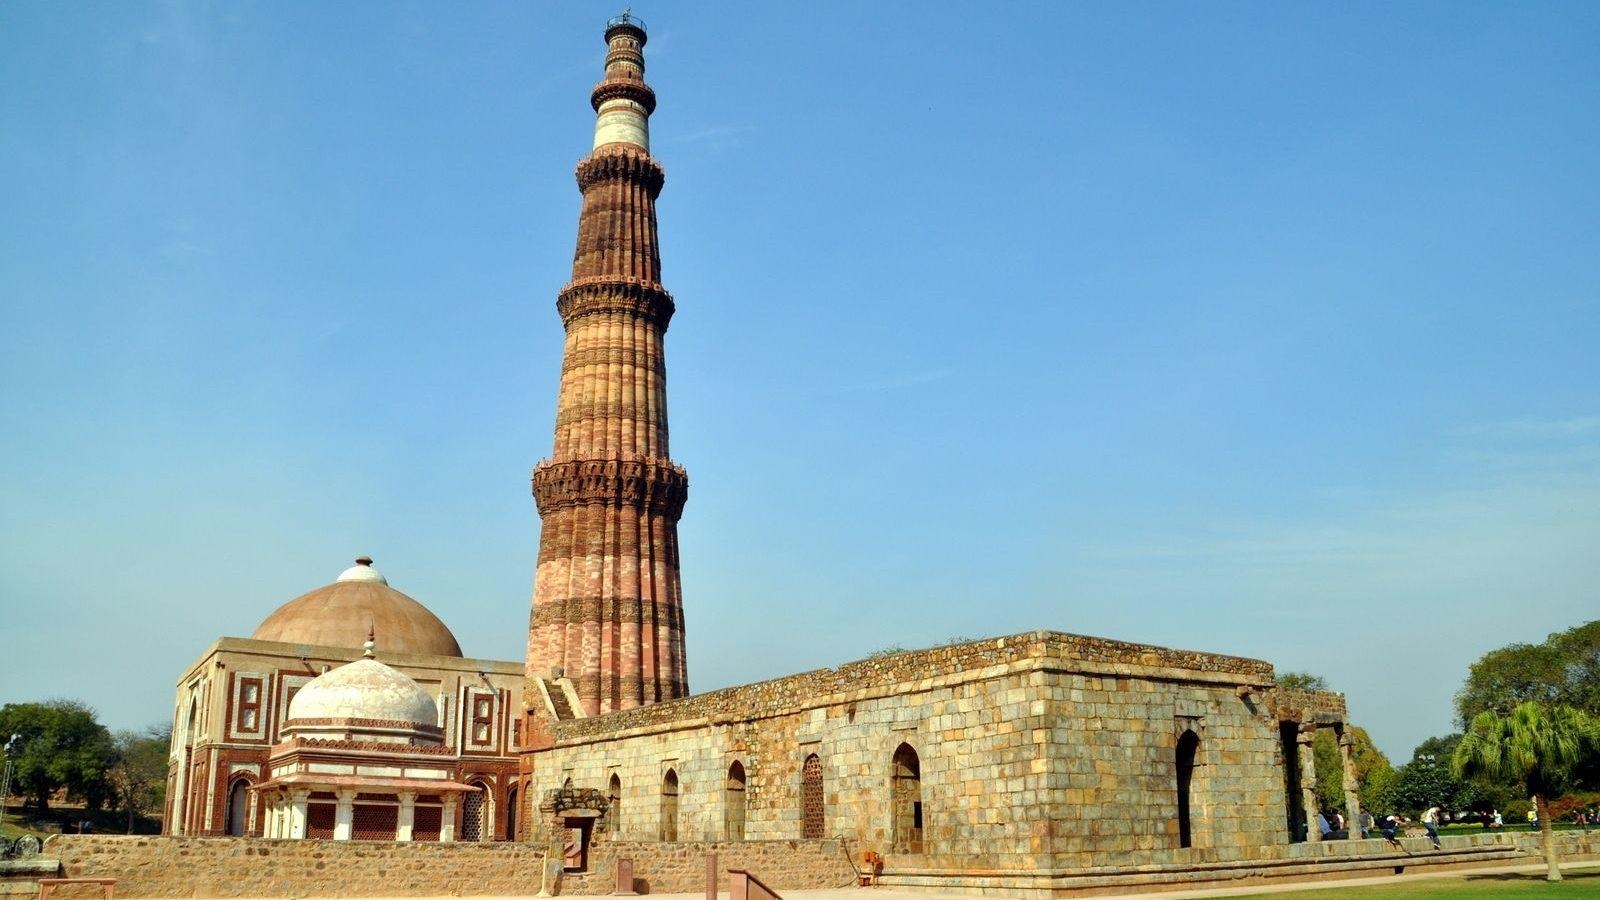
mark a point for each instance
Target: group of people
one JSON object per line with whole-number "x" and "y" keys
{"x": 1389, "y": 826}
{"x": 1332, "y": 822}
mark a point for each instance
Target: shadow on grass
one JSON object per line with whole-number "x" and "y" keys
{"x": 1585, "y": 875}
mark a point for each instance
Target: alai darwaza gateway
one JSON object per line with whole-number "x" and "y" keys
{"x": 350, "y": 712}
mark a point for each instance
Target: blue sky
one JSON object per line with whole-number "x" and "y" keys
{"x": 1265, "y": 329}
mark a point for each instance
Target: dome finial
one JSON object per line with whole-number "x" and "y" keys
{"x": 371, "y": 643}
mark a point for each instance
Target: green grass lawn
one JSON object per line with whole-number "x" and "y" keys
{"x": 1584, "y": 882}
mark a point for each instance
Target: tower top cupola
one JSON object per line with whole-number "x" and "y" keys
{"x": 623, "y": 102}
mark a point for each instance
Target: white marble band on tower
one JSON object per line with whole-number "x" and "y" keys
{"x": 622, "y": 121}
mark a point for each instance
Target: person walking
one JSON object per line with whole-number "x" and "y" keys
{"x": 1364, "y": 821}
{"x": 1430, "y": 821}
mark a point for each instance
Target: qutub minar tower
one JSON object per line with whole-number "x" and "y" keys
{"x": 607, "y": 604}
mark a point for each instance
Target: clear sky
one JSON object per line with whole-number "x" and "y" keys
{"x": 1266, "y": 329}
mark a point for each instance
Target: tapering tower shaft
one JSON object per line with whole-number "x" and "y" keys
{"x": 607, "y": 605}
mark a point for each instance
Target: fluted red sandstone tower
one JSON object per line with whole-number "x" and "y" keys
{"x": 607, "y": 606}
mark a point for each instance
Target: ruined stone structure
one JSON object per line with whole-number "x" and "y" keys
{"x": 607, "y": 611}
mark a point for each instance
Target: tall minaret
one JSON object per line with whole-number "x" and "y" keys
{"x": 607, "y": 605}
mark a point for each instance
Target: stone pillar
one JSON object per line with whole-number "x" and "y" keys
{"x": 297, "y": 814}
{"x": 408, "y": 816}
{"x": 1308, "y": 779}
{"x": 344, "y": 815}
{"x": 274, "y": 813}
{"x": 447, "y": 819}
{"x": 1352, "y": 785}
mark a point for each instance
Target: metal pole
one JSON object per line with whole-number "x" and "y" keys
{"x": 5, "y": 793}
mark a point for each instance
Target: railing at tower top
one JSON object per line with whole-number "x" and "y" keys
{"x": 627, "y": 19}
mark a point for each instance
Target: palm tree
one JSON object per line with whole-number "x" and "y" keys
{"x": 1536, "y": 746}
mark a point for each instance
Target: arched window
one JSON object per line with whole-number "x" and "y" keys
{"x": 1188, "y": 745}
{"x": 614, "y": 805}
{"x": 733, "y": 813}
{"x": 813, "y": 818}
{"x": 906, "y": 800}
{"x": 669, "y": 806}
{"x": 239, "y": 808}
{"x": 475, "y": 820}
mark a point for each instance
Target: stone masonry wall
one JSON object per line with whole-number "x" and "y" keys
{"x": 255, "y": 867}
{"x": 1036, "y": 751}
{"x": 676, "y": 868}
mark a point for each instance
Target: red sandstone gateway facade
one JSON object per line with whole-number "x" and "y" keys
{"x": 231, "y": 714}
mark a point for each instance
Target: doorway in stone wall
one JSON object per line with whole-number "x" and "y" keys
{"x": 669, "y": 806}
{"x": 238, "y": 807}
{"x": 733, "y": 808}
{"x": 906, "y": 800}
{"x": 575, "y": 850}
{"x": 1288, "y": 738}
{"x": 1188, "y": 746}
{"x": 511, "y": 813}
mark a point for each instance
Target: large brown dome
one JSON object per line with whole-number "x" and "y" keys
{"x": 339, "y": 615}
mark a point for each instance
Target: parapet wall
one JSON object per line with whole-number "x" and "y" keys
{"x": 899, "y": 673}
{"x": 257, "y": 867}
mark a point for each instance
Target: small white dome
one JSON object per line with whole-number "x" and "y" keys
{"x": 362, "y": 571}
{"x": 365, "y": 690}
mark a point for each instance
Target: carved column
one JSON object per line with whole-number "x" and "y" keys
{"x": 447, "y": 819}
{"x": 297, "y": 813}
{"x": 1352, "y": 784}
{"x": 344, "y": 815}
{"x": 408, "y": 816}
{"x": 1308, "y": 779}
{"x": 607, "y": 605}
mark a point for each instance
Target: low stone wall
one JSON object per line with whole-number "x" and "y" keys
{"x": 676, "y": 868}
{"x": 1305, "y": 862}
{"x": 257, "y": 867}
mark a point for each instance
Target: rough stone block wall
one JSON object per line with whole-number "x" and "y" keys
{"x": 676, "y": 868}
{"x": 256, "y": 867}
{"x": 1036, "y": 752}
{"x": 1112, "y": 775}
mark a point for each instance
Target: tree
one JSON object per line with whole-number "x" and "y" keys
{"x": 1304, "y": 681}
{"x": 1365, "y": 758}
{"x": 140, "y": 771}
{"x": 1427, "y": 780}
{"x": 1537, "y": 745}
{"x": 59, "y": 744}
{"x": 1564, "y": 671}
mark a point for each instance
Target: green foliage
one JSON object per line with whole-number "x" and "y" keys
{"x": 1427, "y": 779}
{"x": 1381, "y": 792}
{"x": 1330, "y": 770}
{"x": 1300, "y": 680}
{"x": 1365, "y": 757}
{"x": 58, "y": 744}
{"x": 1562, "y": 671}
{"x": 139, "y": 771}
{"x": 1536, "y": 745}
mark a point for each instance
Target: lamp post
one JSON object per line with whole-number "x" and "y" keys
{"x": 5, "y": 781}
